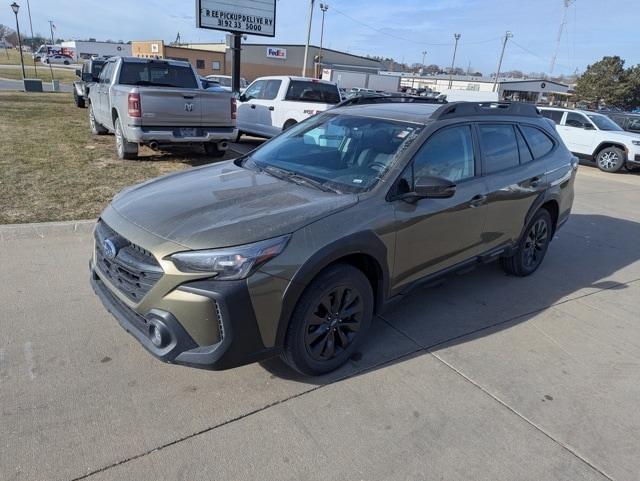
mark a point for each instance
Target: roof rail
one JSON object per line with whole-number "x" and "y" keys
{"x": 386, "y": 99}
{"x": 468, "y": 109}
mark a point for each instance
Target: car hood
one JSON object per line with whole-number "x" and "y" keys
{"x": 224, "y": 205}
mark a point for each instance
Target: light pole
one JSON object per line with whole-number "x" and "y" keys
{"x": 306, "y": 48}
{"x": 424, "y": 54}
{"x": 15, "y": 7}
{"x": 507, "y": 36}
{"x": 32, "y": 45}
{"x": 324, "y": 7}
{"x": 453, "y": 60}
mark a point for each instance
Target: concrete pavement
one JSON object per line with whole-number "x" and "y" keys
{"x": 483, "y": 377}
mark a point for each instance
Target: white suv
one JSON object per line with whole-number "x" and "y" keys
{"x": 596, "y": 137}
{"x": 273, "y": 104}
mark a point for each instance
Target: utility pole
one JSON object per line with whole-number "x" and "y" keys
{"x": 324, "y": 7}
{"x": 567, "y": 4}
{"x": 507, "y": 36}
{"x": 424, "y": 55}
{"x": 306, "y": 48}
{"x": 453, "y": 60}
{"x": 15, "y": 7}
{"x": 35, "y": 67}
{"x": 52, "y": 43}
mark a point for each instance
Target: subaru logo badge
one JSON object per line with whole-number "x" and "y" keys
{"x": 188, "y": 107}
{"x": 109, "y": 248}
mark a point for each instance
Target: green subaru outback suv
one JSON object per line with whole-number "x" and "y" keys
{"x": 291, "y": 249}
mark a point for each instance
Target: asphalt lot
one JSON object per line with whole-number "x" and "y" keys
{"x": 485, "y": 377}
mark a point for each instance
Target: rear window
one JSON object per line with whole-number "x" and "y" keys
{"x": 538, "y": 141}
{"x": 305, "y": 91}
{"x": 555, "y": 115}
{"x": 157, "y": 74}
{"x": 499, "y": 147}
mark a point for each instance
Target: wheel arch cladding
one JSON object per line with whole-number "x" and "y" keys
{"x": 606, "y": 145}
{"x": 363, "y": 250}
{"x": 553, "y": 208}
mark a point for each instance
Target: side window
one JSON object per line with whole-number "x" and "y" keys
{"x": 576, "y": 120}
{"x": 499, "y": 147}
{"x": 254, "y": 91}
{"x": 555, "y": 115}
{"x": 271, "y": 89}
{"x": 448, "y": 153}
{"x": 523, "y": 149}
{"x": 539, "y": 142}
{"x": 633, "y": 125}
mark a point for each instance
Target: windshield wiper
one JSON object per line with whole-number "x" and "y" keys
{"x": 288, "y": 175}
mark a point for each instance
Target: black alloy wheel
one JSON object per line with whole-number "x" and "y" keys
{"x": 334, "y": 323}
{"x": 535, "y": 244}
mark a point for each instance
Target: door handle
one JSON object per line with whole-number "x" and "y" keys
{"x": 253, "y": 106}
{"x": 535, "y": 181}
{"x": 188, "y": 96}
{"x": 477, "y": 200}
{"x": 271, "y": 108}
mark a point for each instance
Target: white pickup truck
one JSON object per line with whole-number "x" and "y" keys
{"x": 159, "y": 102}
{"x": 596, "y": 137}
{"x": 273, "y": 104}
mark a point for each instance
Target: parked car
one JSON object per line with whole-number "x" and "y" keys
{"x": 273, "y": 104}
{"x": 596, "y": 137}
{"x": 225, "y": 81}
{"x": 159, "y": 102}
{"x": 626, "y": 120}
{"x": 58, "y": 59}
{"x": 88, "y": 74}
{"x": 292, "y": 248}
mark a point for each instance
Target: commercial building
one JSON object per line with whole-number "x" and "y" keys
{"x": 206, "y": 62}
{"x": 85, "y": 50}
{"x": 260, "y": 59}
{"x": 522, "y": 90}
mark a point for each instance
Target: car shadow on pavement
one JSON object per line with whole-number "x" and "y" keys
{"x": 583, "y": 255}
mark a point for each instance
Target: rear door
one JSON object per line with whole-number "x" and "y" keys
{"x": 513, "y": 164}
{"x": 267, "y": 108}
{"x": 434, "y": 234}
{"x": 169, "y": 94}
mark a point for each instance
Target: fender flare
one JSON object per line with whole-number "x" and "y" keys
{"x": 364, "y": 243}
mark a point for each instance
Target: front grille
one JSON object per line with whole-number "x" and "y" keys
{"x": 133, "y": 271}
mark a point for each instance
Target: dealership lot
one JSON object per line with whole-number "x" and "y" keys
{"x": 482, "y": 377}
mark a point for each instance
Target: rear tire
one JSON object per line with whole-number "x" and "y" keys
{"x": 96, "y": 127}
{"x": 126, "y": 150}
{"x": 611, "y": 159}
{"x": 288, "y": 124}
{"x": 330, "y": 321}
{"x": 212, "y": 150}
{"x": 532, "y": 246}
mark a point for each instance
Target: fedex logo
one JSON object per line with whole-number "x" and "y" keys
{"x": 280, "y": 53}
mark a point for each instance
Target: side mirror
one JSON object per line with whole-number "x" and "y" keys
{"x": 433, "y": 188}
{"x": 78, "y": 73}
{"x": 87, "y": 77}
{"x": 205, "y": 84}
{"x": 242, "y": 98}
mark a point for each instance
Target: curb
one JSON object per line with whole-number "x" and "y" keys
{"x": 9, "y": 232}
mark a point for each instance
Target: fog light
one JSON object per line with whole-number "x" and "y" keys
{"x": 158, "y": 335}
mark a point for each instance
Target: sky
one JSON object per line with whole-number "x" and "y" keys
{"x": 401, "y": 29}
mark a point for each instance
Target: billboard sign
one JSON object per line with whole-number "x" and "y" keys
{"x": 252, "y": 17}
{"x": 273, "y": 52}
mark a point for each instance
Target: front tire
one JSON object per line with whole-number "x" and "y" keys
{"x": 126, "y": 150}
{"x": 531, "y": 248}
{"x": 330, "y": 321}
{"x": 79, "y": 101}
{"x": 212, "y": 150}
{"x": 611, "y": 159}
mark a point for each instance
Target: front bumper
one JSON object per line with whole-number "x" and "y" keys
{"x": 174, "y": 135}
{"x": 240, "y": 342}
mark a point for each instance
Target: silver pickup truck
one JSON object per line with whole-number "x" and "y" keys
{"x": 158, "y": 102}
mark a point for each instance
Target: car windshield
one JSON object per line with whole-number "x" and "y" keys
{"x": 158, "y": 74}
{"x": 345, "y": 153}
{"x": 603, "y": 122}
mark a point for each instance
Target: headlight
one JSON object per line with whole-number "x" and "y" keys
{"x": 635, "y": 142}
{"x": 230, "y": 263}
